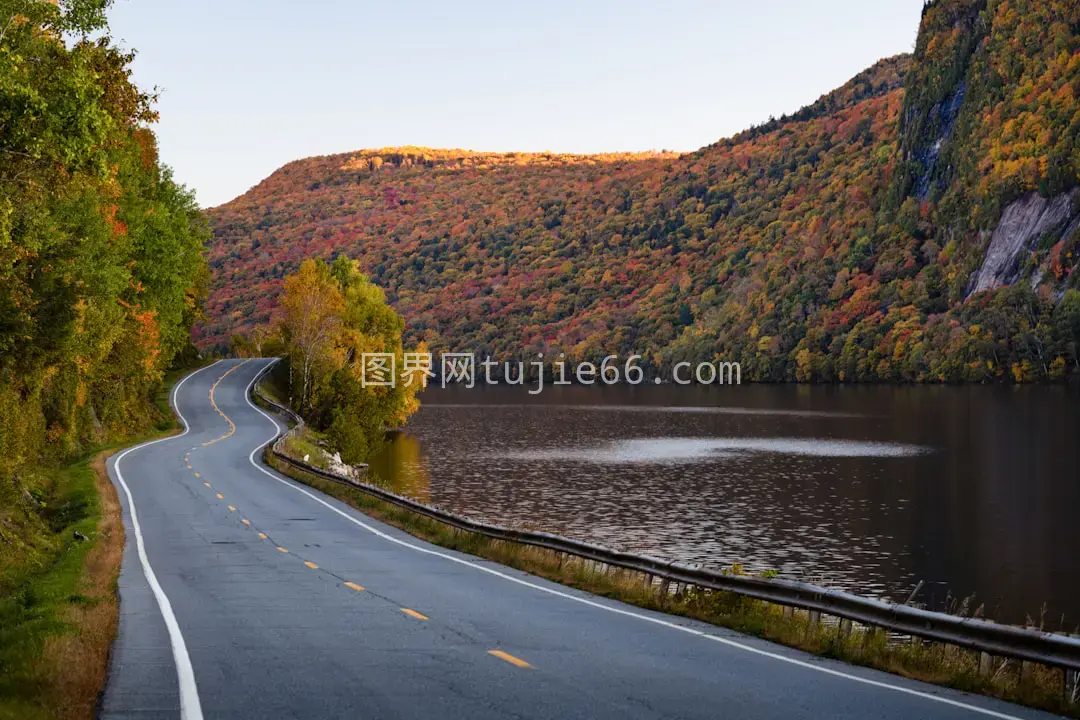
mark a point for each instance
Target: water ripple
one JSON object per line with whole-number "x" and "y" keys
{"x": 689, "y": 409}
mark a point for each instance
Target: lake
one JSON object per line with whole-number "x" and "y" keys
{"x": 972, "y": 490}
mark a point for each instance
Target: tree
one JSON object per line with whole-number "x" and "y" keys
{"x": 333, "y": 317}
{"x": 1067, "y": 325}
{"x": 311, "y": 308}
{"x": 101, "y": 267}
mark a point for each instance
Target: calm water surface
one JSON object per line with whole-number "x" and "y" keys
{"x": 871, "y": 489}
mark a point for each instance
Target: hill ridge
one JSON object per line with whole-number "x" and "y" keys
{"x": 823, "y": 245}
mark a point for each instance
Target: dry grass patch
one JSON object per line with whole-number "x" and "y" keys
{"x": 59, "y": 622}
{"x": 76, "y": 663}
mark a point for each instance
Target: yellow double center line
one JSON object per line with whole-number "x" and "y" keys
{"x": 501, "y": 654}
{"x": 509, "y": 658}
{"x": 505, "y": 656}
{"x": 232, "y": 425}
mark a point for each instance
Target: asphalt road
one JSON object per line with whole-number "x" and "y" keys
{"x": 244, "y": 594}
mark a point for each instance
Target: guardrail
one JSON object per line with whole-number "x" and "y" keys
{"x": 984, "y": 636}
{"x": 277, "y": 407}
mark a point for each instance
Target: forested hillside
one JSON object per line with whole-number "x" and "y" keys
{"x": 918, "y": 224}
{"x": 467, "y": 245}
{"x": 100, "y": 262}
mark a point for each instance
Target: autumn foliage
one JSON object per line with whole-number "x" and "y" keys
{"x": 331, "y": 317}
{"x": 101, "y": 268}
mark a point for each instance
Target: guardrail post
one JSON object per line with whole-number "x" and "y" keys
{"x": 814, "y": 620}
{"x": 986, "y": 664}
{"x": 869, "y": 633}
{"x": 845, "y": 629}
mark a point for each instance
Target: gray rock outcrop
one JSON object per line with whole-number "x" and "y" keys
{"x": 1023, "y": 222}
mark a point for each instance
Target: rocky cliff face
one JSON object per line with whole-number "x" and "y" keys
{"x": 1022, "y": 223}
{"x": 927, "y": 154}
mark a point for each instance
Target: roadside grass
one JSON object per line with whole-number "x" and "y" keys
{"x": 167, "y": 422}
{"x": 304, "y": 444}
{"x": 57, "y": 627}
{"x": 1023, "y": 683}
{"x": 59, "y": 607}
{"x": 270, "y": 387}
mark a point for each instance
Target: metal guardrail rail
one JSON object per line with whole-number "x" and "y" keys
{"x": 1052, "y": 649}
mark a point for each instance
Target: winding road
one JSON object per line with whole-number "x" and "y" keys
{"x": 244, "y": 594}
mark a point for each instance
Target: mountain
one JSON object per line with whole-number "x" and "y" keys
{"x": 918, "y": 224}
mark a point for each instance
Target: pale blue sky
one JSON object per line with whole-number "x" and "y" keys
{"x": 248, "y": 85}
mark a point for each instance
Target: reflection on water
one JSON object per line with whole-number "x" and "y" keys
{"x": 661, "y": 408}
{"x": 401, "y": 468}
{"x": 973, "y": 490}
{"x": 669, "y": 450}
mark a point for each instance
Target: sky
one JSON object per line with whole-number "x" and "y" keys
{"x": 249, "y": 85}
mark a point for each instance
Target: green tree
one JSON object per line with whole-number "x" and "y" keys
{"x": 1067, "y": 326}
{"x": 101, "y": 268}
{"x": 311, "y": 308}
{"x": 333, "y": 317}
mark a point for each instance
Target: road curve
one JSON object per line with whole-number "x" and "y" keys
{"x": 244, "y": 594}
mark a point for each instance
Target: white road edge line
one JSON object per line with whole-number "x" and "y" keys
{"x": 190, "y": 707}
{"x": 585, "y": 601}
